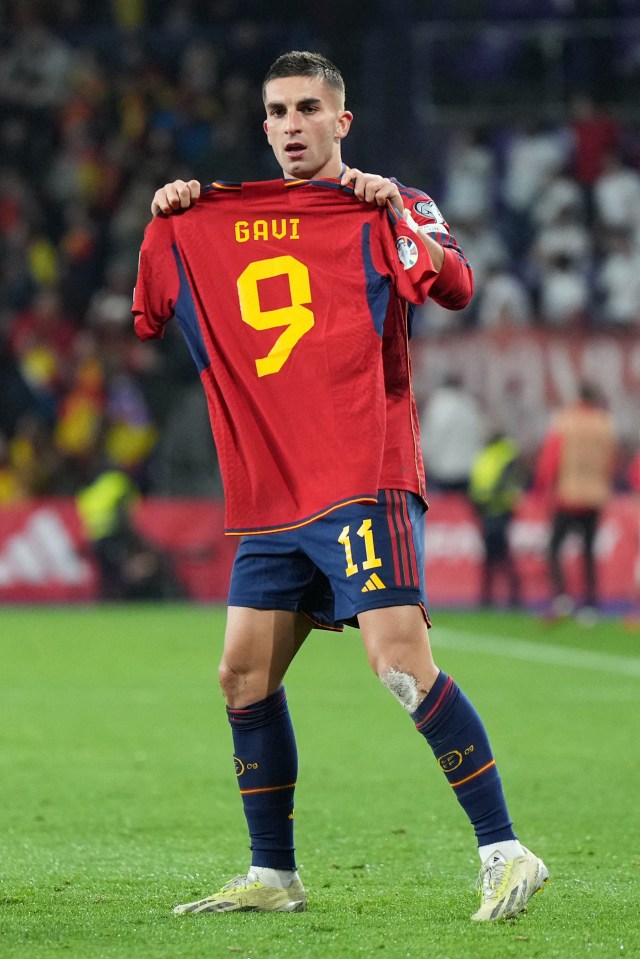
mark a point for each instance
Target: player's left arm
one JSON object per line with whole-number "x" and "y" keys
{"x": 453, "y": 288}
{"x": 380, "y": 190}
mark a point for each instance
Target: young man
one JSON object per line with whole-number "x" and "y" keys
{"x": 295, "y": 297}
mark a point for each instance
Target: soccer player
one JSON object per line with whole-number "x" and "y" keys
{"x": 295, "y": 298}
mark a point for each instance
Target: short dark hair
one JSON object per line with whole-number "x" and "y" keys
{"x": 302, "y": 63}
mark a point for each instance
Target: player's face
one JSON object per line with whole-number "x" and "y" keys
{"x": 305, "y": 125}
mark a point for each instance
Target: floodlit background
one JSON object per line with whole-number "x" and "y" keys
{"x": 520, "y": 118}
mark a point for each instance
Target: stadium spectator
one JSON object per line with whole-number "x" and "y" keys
{"x": 563, "y": 294}
{"x": 594, "y": 135}
{"x": 616, "y": 196}
{"x": 33, "y": 456}
{"x": 12, "y": 488}
{"x": 16, "y": 397}
{"x": 41, "y": 337}
{"x": 470, "y": 177}
{"x": 560, "y": 265}
{"x": 534, "y": 156}
{"x": 618, "y": 281}
{"x": 451, "y": 429}
{"x": 565, "y": 236}
{"x": 575, "y": 472}
{"x": 504, "y": 302}
{"x": 561, "y": 195}
{"x": 80, "y": 422}
{"x": 35, "y": 71}
{"x": 305, "y": 124}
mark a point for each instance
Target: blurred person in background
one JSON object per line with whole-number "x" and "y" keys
{"x": 563, "y": 294}
{"x": 504, "y": 301}
{"x": 495, "y": 487}
{"x": 562, "y": 194}
{"x": 41, "y": 338}
{"x": 32, "y": 455}
{"x": 594, "y": 134}
{"x": 451, "y": 430}
{"x": 559, "y": 265}
{"x": 470, "y": 176}
{"x": 129, "y": 567}
{"x": 12, "y": 488}
{"x": 616, "y": 196}
{"x": 16, "y": 396}
{"x": 534, "y": 156}
{"x": 617, "y": 281}
{"x": 575, "y": 471}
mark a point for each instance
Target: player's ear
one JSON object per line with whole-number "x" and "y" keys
{"x": 343, "y": 124}
{"x": 265, "y": 127}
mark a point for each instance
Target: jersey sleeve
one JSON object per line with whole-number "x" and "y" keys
{"x": 454, "y": 286}
{"x": 158, "y": 283}
{"x": 406, "y": 259}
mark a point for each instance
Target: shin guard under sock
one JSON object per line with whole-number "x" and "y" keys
{"x": 459, "y": 741}
{"x": 266, "y": 761}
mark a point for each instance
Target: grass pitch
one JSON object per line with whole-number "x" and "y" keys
{"x": 118, "y": 797}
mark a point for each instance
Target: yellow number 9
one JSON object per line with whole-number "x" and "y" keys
{"x": 297, "y": 318}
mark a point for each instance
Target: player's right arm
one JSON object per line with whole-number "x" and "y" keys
{"x": 177, "y": 195}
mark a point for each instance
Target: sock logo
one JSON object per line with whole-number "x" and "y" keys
{"x": 450, "y": 761}
{"x": 240, "y": 766}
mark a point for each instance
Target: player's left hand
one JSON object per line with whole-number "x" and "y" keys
{"x": 372, "y": 188}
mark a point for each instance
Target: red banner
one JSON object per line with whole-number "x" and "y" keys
{"x": 455, "y": 552}
{"x": 520, "y": 377}
{"x": 43, "y": 557}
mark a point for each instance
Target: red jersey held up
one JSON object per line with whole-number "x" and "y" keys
{"x": 281, "y": 289}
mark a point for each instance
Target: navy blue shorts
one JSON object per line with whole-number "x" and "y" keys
{"x": 359, "y": 557}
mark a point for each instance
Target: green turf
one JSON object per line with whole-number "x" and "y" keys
{"x": 118, "y": 797}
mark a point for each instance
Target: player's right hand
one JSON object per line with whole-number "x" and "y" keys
{"x": 175, "y": 196}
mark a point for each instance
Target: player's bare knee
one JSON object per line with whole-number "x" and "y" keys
{"x": 404, "y": 687}
{"x": 230, "y": 680}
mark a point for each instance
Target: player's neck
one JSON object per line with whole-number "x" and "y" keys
{"x": 332, "y": 171}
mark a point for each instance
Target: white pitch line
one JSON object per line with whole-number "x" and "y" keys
{"x": 535, "y": 652}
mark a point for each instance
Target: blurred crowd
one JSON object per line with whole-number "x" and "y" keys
{"x": 100, "y": 107}
{"x": 549, "y": 217}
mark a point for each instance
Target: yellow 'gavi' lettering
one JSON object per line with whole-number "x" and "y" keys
{"x": 285, "y": 228}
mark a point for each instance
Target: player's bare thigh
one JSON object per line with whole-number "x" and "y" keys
{"x": 397, "y": 642}
{"x": 259, "y": 646}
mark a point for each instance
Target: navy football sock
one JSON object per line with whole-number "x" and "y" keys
{"x": 266, "y": 761}
{"x": 457, "y": 736}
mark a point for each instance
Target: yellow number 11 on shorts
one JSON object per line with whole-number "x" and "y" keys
{"x": 371, "y": 561}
